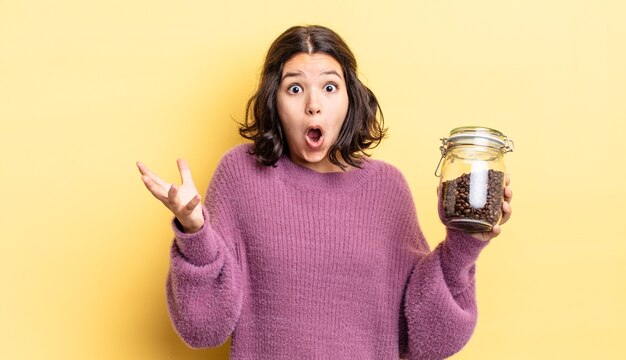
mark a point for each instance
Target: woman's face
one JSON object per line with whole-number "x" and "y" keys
{"x": 312, "y": 103}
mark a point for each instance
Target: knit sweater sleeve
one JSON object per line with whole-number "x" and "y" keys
{"x": 439, "y": 306}
{"x": 204, "y": 291}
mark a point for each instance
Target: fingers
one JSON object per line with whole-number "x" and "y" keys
{"x": 192, "y": 204}
{"x": 506, "y": 204}
{"x": 157, "y": 190}
{"x": 143, "y": 169}
{"x": 495, "y": 231}
{"x": 172, "y": 196}
{"x": 185, "y": 172}
{"x": 508, "y": 194}
{"x": 506, "y": 212}
{"x": 174, "y": 202}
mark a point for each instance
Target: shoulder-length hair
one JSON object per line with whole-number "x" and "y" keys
{"x": 361, "y": 129}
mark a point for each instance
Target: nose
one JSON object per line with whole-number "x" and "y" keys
{"x": 312, "y": 105}
{"x": 312, "y": 109}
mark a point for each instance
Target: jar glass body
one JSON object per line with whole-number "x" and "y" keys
{"x": 471, "y": 188}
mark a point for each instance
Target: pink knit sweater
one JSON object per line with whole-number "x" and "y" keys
{"x": 296, "y": 264}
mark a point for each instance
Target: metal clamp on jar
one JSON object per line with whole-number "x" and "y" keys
{"x": 472, "y": 178}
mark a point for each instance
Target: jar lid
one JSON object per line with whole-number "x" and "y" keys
{"x": 478, "y": 135}
{"x": 475, "y": 135}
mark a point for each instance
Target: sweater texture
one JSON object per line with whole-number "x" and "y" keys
{"x": 296, "y": 264}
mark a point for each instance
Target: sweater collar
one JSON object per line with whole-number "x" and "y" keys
{"x": 331, "y": 181}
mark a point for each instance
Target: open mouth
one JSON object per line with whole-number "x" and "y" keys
{"x": 314, "y": 137}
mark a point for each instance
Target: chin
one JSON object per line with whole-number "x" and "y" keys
{"x": 313, "y": 157}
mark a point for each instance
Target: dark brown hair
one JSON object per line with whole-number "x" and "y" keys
{"x": 361, "y": 128}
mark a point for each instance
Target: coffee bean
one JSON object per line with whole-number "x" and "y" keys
{"x": 456, "y": 211}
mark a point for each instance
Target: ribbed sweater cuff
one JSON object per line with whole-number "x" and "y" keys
{"x": 199, "y": 248}
{"x": 462, "y": 246}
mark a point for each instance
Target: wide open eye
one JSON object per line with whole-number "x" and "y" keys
{"x": 330, "y": 88}
{"x": 294, "y": 89}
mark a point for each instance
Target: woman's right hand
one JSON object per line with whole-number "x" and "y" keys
{"x": 182, "y": 200}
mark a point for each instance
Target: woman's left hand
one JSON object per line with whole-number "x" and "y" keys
{"x": 506, "y": 214}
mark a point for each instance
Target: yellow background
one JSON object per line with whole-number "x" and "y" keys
{"x": 87, "y": 88}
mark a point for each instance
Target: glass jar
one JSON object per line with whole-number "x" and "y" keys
{"x": 472, "y": 178}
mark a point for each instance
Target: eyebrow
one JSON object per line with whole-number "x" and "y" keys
{"x": 332, "y": 72}
{"x": 292, "y": 74}
{"x": 299, "y": 73}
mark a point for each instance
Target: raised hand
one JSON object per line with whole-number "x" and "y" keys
{"x": 181, "y": 200}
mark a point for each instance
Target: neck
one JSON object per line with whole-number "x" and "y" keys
{"x": 324, "y": 166}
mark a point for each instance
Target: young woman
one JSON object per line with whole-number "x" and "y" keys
{"x": 305, "y": 248}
